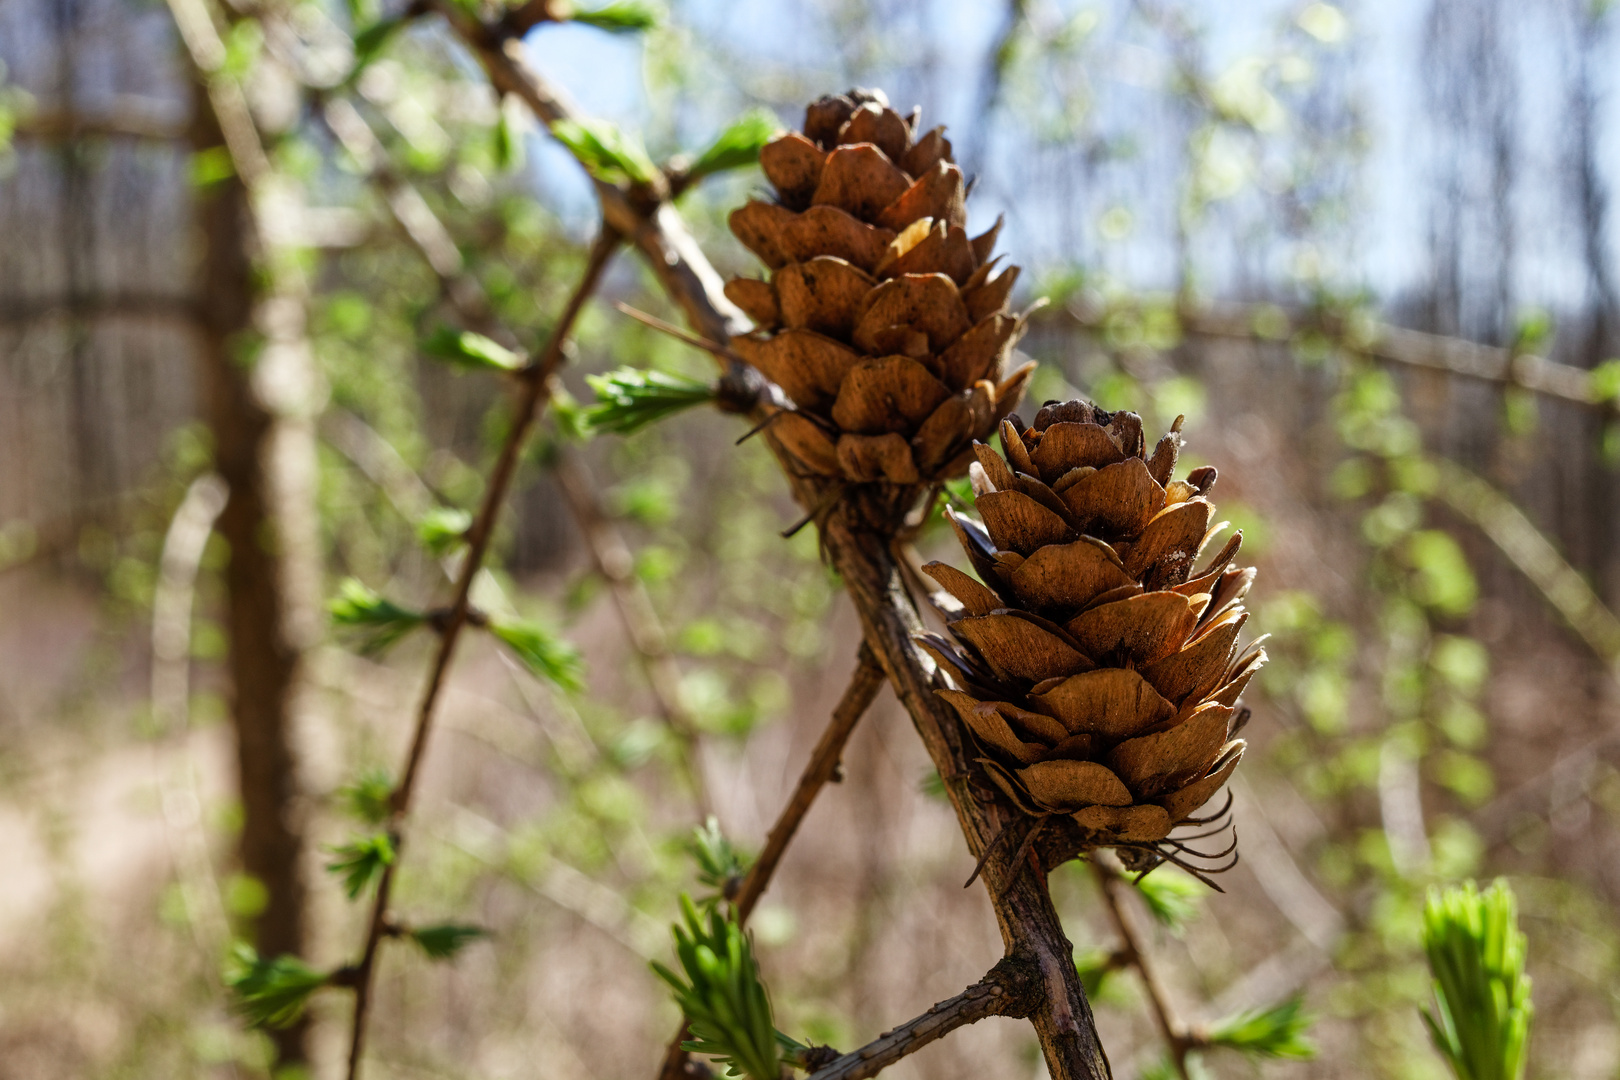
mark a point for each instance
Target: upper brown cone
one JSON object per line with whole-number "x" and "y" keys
{"x": 1095, "y": 662}
{"x": 881, "y": 320}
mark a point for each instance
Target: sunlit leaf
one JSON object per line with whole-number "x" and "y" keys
{"x": 606, "y": 152}
{"x": 622, "y": 17}
{"x": 541, "y": 651}
{"x": 466, "y": 349}
{"x": 361, "y": 862}
{"x": 269, "y": 993}
{"x": 443, "y": 529}
{"x": 377, "y": 623}
{"x": 738, "y": 146}
{"x": 629, "y": 399}
{"x": 1280, "y": 1031}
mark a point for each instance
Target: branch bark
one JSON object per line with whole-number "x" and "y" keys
{"x": 1013, "y": 987}
{"x": 1029, "y": 923}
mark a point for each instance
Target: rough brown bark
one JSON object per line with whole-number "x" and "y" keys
{"x": 251, "y": 444}
{"x": 1030, "y": 927}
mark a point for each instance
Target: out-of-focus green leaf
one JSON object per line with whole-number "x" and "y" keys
{"x": 443, "y": 529}
{"x": 379, "y": 623}
{"x": 1604, "y": 381}
{"x": 361, "y": 862}
{"x": 738, "y": 146}
{"x": 1280, "y": 1031}
{"x": 508, "y": 142}
{"x": 727, "y": 1010}
{"x": 1172, "y": 897}
{"x": 541, "y": 651}
{"x": 1476, "y": 952}
{"x": 622, "y": 16}
{"x": 369, "y": 42}
{"x": 629, "y": 399}
{"x": 369, "y": 796}
{"x": 469, "y": 350}
{"x": 1094, "y": 969}
{"x": 607, "y": 153}
{"x": 269, "y": 993}
{"x": 446, "y": 940}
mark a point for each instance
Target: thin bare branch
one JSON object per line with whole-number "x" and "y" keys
{"x": 1014, "y": 987}
{"x": 536, "y": 389}
{"x": 1114, "y": 886}
{"x": 864, "y": 683}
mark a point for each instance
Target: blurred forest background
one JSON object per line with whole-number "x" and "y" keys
{"x": 1369, "y": 250}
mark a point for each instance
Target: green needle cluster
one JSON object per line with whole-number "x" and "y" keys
{"x": 727, "y": 1010}
{"x": 1481, "y": 1019}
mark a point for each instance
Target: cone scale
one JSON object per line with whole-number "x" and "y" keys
{"x": 1094, "y": 656}
{"x": 883, "y": 323}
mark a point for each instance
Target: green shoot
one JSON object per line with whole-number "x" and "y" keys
{"x": 443, "y": 529}
{"x": 606, "y": 152}
{"x": 727, "y": 1009}
{"x": 738, "y": 146}
{"x": 361, "y": 862}
{"x": 269, "y": 993}
{"x": 1481, "y": 1020}
{"x": 378, "y": 622}
{"x": 1172, "y": 897}
{"x": 542, "y": 652}
{"x": 621, "y": 16}
{"x": 628, "y": 400}
{"x": 1281, "y": 1031}
{"x": 465, "y": 349}
{"x": 369, "y": 796}
{"x": 719, "y": 863}
{"x": 445, "y": 941}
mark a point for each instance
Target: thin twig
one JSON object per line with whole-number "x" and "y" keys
{"x": 1012, "y": 988}
{"x": 1133, "y": 952}
{"x": 536, "y": 388}
{"x": 864, "y": 683}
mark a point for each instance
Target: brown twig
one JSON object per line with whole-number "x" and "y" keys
{"x": 863, "y": 686}
{"x": 1111, "y": 881}
{"x": 1014, "y": 987}
{"x": 536, "y": 388}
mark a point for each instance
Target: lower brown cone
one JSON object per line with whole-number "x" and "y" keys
{"x": 1095, "y": 663}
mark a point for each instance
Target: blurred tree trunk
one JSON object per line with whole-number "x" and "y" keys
{"x": 255, "y": 374}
